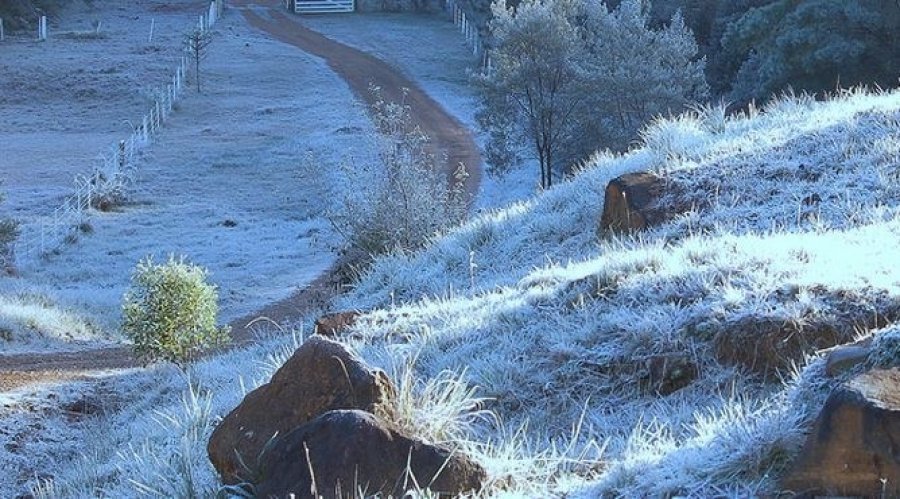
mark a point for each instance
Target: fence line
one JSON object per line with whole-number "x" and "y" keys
{"x": 471, "y": 34}
{"x": 115, "y": 168}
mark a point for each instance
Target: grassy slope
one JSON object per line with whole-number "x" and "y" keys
{"x": 555, "y": 325}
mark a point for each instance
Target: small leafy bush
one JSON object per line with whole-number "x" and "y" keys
{"x": 170, "y": 311}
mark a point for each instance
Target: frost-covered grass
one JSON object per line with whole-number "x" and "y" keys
{"x": 528, "y": 339}
{"x": 548, "y": 319}
{"x": 31, "y": 322}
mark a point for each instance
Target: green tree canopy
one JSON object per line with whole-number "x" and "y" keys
{"x": 814, "y": 45}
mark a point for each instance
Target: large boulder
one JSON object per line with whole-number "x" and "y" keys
{"x": 854, "y": 447}
{"x": 342, "y": 452}
{"x": 632, "y": 202}
{"x": 322, "y": 375}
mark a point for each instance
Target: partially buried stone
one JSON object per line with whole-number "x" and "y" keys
{"x": 631, "y": 202}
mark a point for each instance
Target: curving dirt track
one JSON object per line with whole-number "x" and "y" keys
{"x": 450, "y": 139}
{"x": 360, "y": 70}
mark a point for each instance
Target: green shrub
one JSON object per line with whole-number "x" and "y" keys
{"x": 170, "y": 311}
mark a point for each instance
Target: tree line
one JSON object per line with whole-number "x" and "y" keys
{"x": 573, "y": 76}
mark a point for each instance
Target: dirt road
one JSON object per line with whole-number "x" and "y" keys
{"x": 450, "y": 140}
{"x": 360, "y": 70}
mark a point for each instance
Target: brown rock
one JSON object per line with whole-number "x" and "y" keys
{"x": 335, "y": 324}
{"x": 766, "y": 345}
{"x": 854, "y": 447}
{"x": 349, "y": 451}
{"x": 631, "y": 202}
{"x": 321, "y": 376}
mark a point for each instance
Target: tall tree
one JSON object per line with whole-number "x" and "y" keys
{"x": 534, "y": 89}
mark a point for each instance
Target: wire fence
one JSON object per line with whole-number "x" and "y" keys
{"x": 114, "y": 171}
{"x": 472, "y": 35}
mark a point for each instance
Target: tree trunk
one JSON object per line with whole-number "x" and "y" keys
{"x": 549, "y": 168}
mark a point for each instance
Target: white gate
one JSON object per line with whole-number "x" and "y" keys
{"x": 323, "y": 6}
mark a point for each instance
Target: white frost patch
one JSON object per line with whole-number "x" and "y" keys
{"x": 30, "y": 323}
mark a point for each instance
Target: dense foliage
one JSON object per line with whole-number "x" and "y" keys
{"x": 570, "y": 76}
{"x": 813, "y": 45}
{"x": 170, "y": 311}
{"x": 758, "y": 48}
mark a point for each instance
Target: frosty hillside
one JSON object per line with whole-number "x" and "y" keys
{"x": 554, "y": 343}
{"x": 707, "y": 306}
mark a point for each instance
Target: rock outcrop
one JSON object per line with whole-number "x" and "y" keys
{"x": 854, "y": 447}
{"x": 322, "y": 375}
{"x": 631, "y": 203}
{"x": 343, "y": 452}
{"x": 769, "y": 346}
